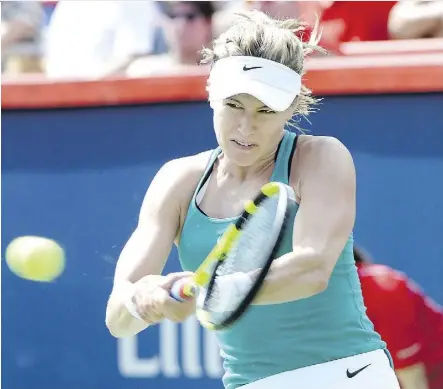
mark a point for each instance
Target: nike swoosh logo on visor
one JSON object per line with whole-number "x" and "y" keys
{"x": 245, "y": 68}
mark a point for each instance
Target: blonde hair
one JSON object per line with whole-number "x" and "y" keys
{"x": 255, "y": 34}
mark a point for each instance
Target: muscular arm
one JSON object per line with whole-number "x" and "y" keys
{"x": 322, "y": 226}
{"x": 149, "y": 246}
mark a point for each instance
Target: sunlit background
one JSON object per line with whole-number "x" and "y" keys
{"x": 97, "y": 95}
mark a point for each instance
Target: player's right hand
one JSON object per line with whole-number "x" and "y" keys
{"x": 154, "y": 303}
{"x": 172, "y": 309}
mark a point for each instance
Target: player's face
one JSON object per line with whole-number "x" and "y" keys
{"x": 247, "y": 130}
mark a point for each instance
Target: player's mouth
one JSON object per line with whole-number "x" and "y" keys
{"x": 244, "y": 145}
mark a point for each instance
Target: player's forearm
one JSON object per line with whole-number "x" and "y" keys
{"x": 296, "y": 275}
{"x": 120, "y": 322}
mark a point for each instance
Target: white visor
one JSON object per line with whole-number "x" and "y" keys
{"x": 274, "y": 84}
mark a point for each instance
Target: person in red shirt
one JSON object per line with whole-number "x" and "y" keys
{"x": 346, "y": 21}
{"x": 410, "y": 322}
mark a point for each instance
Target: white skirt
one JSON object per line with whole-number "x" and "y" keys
{"x": 370, "y": 370}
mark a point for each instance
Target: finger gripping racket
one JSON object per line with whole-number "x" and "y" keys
{"x": 231, "y": 275}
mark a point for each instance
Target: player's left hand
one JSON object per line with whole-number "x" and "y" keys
{"x": 172, "y": 309}
{"x": 231, "y": 290}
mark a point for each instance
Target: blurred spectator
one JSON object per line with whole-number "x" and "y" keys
{"x": 21, "y": 27}
{"x": 188, "y": 28}
{"x": 414, "y": 19}
{"x": 90, "y": 39}
{"x": 408, "y": 321}
{"x": 225, "y": 16}
{"x": 277, "y": 8}
{"x": 307, "y": 11}
{"x": 345, "y": 21}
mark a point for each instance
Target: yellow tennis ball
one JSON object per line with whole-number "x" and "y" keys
{"x": 35, "y": 258}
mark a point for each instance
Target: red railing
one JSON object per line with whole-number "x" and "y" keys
{"x": 371, "y": 68}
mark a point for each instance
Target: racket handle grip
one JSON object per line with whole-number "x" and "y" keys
{"x": 183, "y": 290}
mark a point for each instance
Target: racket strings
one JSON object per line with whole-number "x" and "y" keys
{"x": 246, "y": 255}
{"x": 247, "y": 252}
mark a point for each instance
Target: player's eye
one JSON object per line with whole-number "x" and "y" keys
{"x": 266, "y": 111}
{"x": 233, "y": 104}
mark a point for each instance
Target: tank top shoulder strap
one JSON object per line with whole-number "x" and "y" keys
{"x": 283, "y": 162}
{"x": 215, "y": 153}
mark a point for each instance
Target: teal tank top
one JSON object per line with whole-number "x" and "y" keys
{"x": 271, "y": 339}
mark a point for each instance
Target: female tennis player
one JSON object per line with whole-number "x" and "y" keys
{"x": 307, "y": 327}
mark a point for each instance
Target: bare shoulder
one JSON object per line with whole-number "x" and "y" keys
{"x": 178, "y": 178}
{"x": 322, "y": 153}
{"x": 186, "y": 171}
{"x": 169, "y": 193}
{"x": 315, "y": 146}
{"x": 182, "y": 176}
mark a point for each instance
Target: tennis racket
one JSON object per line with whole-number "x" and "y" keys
{"x": 231, "y": 275}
